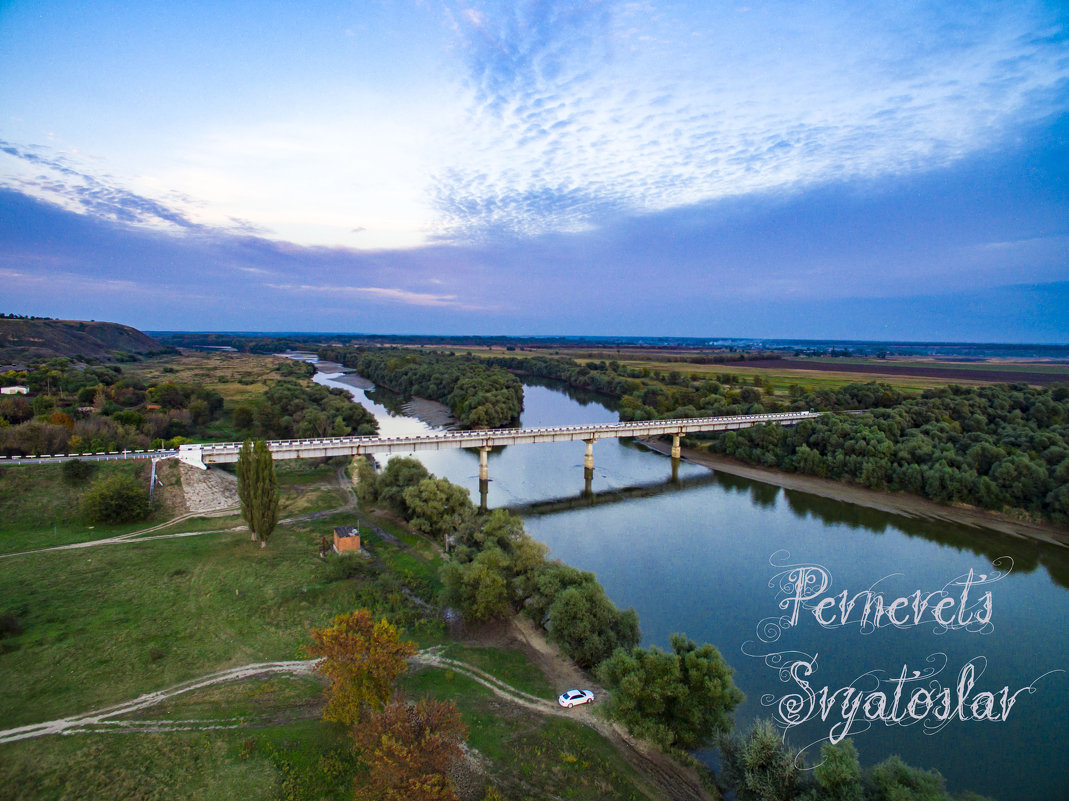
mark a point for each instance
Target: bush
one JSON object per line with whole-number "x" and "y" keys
{"x": 119, "y": 498}
{"x": 682, "y": 698}
{"x": 77, "y": 471}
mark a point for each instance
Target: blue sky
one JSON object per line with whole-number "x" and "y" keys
{"x": 820, "y": 169}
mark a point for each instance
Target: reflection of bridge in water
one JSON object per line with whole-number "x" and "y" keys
{"x": 615, "y": 495}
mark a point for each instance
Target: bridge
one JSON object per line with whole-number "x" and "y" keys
{"x": 203, "y": 454}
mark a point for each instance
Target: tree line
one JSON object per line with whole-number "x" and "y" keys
{"x": 1001, "y": 447}
{"x": 289, "y": 409}
{"x": 479, "y": 396}
{"x": 79, "y": 408}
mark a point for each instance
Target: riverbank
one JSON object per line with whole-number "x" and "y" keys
{"x": 893, "y": 502}
{"x": 429, "y": 411}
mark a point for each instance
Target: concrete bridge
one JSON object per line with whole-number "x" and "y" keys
{"x": 201, "y": 455}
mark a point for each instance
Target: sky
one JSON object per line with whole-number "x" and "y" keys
{"x": 818, "y": 169}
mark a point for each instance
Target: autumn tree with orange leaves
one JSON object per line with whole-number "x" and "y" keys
{"x": 362, "y": 660}
{"x": 408, "y": 749}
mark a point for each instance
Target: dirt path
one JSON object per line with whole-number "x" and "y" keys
{"x": 669, "y": 778}
{"x": 101, "y": 720}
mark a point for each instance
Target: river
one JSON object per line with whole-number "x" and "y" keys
{"x": 717, "y": 557}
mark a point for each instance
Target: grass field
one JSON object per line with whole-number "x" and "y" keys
{"x": 38, "y": 509}
{"x": 235, "y": 376}
{"x": 85, "y": 629}
{"x": 929, "y": 373}
{"x": 532, "y": 756}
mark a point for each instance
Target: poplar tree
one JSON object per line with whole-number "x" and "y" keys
{"x": 264, "y": 493}
{"x": 258, "y": 490}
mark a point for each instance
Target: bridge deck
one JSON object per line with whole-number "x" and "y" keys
{"x": 221, "y": 453}
{"x": 201, "y": 455}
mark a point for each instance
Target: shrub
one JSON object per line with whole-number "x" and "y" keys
{"x": 77, "y": 471}
{"x": 119, "y": 498}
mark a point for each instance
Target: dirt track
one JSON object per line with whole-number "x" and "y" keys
{"x": 668, "y": 777}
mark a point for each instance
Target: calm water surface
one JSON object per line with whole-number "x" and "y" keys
{"x": 699, "y": 552}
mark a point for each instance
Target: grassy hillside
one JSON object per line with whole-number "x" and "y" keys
{"x": 22, "y": 340}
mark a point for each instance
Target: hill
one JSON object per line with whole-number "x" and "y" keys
{"x": 23, "y": 340}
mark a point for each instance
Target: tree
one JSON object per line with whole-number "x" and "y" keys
{"x": 77, "y": 471}
{"x": 493, "y": 568}
{"x": 366, "y": 481}
{"x": 479, "y": 588}
{"x": 258, "y": 490}
{"x": 682, "y": 698}
{"x": 759, "y": 766}
{"x": 408, "y": 750}
{"x": 548, "y": 582}
{"x": 839, "y": 773}
{"x": 438, "y": 508}
{"x": 399, "y": 474}
{"x": 588, "y": 625}
{"x": 118, "y": 498}
{"x": 895, "y": 780}
{"x": 362, "y": 659}
{"x": 264, "y": 493}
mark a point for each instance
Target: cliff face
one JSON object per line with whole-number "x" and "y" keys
{"x": 22, "y": 340}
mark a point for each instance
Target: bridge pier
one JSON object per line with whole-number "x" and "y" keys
{"x": 484, "y": 465}
{"x": 676, "y": 453}
{"x": 588, "y": 460}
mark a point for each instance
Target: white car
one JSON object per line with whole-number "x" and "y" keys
{"x": 574, "y": 697}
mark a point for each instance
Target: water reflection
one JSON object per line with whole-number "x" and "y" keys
{"x": 588, "y": 498}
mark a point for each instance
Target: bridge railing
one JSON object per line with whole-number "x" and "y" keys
{"x": 476, "y": 437}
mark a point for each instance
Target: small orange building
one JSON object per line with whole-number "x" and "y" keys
{"x": 346, "y": 539}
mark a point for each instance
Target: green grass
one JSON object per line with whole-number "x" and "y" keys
{"x": 300, "y": 760}
{"x": 512, "y": 667}
{"x": 88, "y": 628}
{"x": 417, "y": 568}
{"x": 104, "y": 625}
{"x": 260, "y": 700}
{"x": 38, "y": 509}
{"x": 532, "y": 755}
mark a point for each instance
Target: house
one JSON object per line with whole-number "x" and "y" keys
{"x": 15, "y": 390}
{"x": 346, "y": 539}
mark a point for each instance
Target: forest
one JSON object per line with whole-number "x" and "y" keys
{"x": 76, "y": 407}
{"x": 478, "y": 395}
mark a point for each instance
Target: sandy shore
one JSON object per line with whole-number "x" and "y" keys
{"x": 894, "y": 502}
{"x": 331, "y": 367}
{"x": 430, "y": 412}
{"x": 352, "y": 379}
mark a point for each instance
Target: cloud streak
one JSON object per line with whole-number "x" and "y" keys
{"x": 386, "y": 294}
{"x": 578, "y": 112}
{"x": 89, "y": 194}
